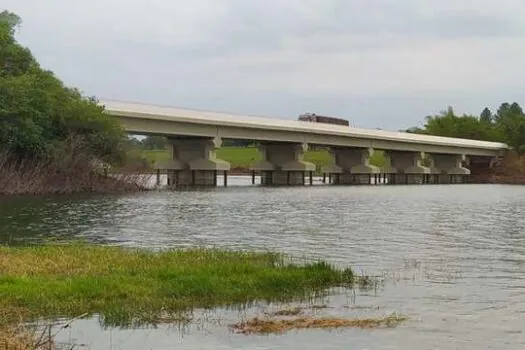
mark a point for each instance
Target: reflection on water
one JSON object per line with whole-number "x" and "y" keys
{"x": 453, "y": 257}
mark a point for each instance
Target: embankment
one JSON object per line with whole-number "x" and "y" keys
{"x": 509, "y": 170}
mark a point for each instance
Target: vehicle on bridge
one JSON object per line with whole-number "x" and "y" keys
{"x": 314, "y": 118}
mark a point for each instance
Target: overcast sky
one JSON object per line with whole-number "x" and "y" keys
{"x": 378, "y": 63}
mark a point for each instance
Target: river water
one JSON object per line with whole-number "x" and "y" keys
{"x": 452, "y": 258}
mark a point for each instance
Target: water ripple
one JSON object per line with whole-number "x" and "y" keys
{"x": 453, "y": 257}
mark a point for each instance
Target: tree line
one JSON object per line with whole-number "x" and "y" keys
{"x": 506, "y": 125}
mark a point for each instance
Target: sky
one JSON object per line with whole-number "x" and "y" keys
{"x": 378, "y": 63}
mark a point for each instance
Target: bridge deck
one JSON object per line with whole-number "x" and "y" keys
{"x": 165, "y": 113}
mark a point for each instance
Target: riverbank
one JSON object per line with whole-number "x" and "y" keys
{"x": 126, "y": 286}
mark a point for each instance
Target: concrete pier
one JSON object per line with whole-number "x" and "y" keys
{"x": 193, "y": 162}
{"x": 405, "y": 168}
{"x": 448, "y": 168}
{"x": 282, "y": 164}
{"x": 351, "y": 166}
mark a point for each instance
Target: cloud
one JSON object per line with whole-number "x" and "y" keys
{"x": 380, "y": 63}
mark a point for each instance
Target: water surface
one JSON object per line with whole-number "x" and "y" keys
{"x": 452, "y": 257}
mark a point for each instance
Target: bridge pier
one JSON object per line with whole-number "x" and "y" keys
{"x": 282, "y": 164}
{"x": 351, "y": 166}
{"x": 449, "y": 169}
{"x": 405, "y": 168}
{"x": 193, "y": 162}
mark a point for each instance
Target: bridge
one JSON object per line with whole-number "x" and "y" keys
{"x": 194, "y": 136}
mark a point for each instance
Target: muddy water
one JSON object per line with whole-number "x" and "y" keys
{"x": 452, "y": 257}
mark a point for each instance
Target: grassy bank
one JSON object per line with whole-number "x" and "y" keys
{"x": 244, "y": 157}
{"x": 127, "y": 286}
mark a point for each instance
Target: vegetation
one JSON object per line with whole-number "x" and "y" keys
{"x": 506, "y": 125}
{"x": 23, "y": 337}
{"x": 46, "y": 126}
{"x": 266, "y": 326}
{"x": 126, "y": 286}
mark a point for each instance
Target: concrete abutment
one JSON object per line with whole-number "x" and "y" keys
{"x": 482, "y": 169}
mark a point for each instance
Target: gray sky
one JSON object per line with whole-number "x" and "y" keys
{"x": 378, "y": 63}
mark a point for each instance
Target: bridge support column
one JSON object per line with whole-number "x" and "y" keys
{"x": 406, "y": 168}
{"x": 449, "y": 169}
{"x": 193, "y": 162}
{"x": 351, "y": 166}
{"x": 282, "y": 164}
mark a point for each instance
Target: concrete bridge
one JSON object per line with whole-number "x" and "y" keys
{"x": 195, "y": 135}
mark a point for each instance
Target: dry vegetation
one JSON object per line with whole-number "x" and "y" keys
{"x": 68, "y": 171}
{"x": 269, "y": 325}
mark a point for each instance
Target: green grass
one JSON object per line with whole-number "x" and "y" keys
{"x": 126, "y": 286}
{"x": 244, "y": 157}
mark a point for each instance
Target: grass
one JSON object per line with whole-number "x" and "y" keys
{"x": 244, "y": 157}
{"x": 126, "y": 286}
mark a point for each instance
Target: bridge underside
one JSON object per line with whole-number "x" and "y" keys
{"x": 193, "y": 163}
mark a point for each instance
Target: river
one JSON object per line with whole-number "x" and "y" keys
{"x": 452, "y": 258}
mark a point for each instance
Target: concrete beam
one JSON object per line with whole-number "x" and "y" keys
{"x": 328, "y": 138}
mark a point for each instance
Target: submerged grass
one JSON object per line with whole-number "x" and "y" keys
{"x": 130, "y": 285}
{"x": 265, "y": 326}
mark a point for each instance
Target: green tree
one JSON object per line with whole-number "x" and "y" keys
{"x": 507, "y": 125}
{"x": 154, "y": 142}
{"x": 38, "y": 113}
{"x": 511, "y": 124}
{"x": 486, "y": 116}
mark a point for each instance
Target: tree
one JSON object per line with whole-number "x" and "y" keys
{"x": 11, "y": 21}
{"x": 38, "y": 113}
{"x": 486, "y": 116}
{"x": 511, "y": 123}
{"x": 154, "y": 142}
{"x": 507, "y": 125}
{"x": 414, "y": 130}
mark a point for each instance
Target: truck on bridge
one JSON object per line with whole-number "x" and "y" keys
{"x": 314, "y": 118}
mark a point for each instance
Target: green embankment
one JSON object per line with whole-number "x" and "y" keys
{"x": 124, "y": 285}
{"x": 244, "y": 157}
